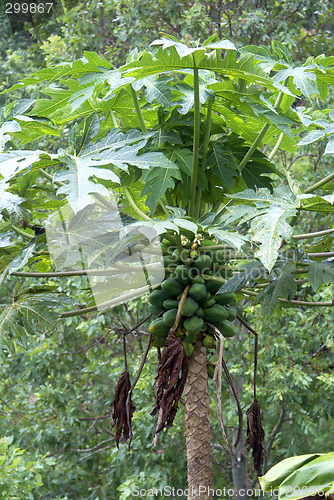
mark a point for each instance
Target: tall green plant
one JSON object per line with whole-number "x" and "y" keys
{"x": 175, "y": 136}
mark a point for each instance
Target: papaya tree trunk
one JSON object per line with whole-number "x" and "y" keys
{"x": 197, "y": 416}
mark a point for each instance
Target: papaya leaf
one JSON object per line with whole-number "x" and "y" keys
{"x": 270, "y": 229}
{"x": 18, "y": 107}
{"x": 315, "y": 476}
{"x": 9, "y": 201}
{"x": 282, "y": 197}
{"x": 157, "y": 181}
{"x": 225, "y": 165}
{"x": 6, "y": 128}
{"x": 116, "y": 148}
{"x": 18, "y": 260}
{"x": 319, "y": 273}
{"x": 281, "y": 471}
{"x": 165, "y": 134}
{"x": 247, "y": 273}
{"x": 13, "y": 162}
{"x": 303, "y": 79}
{"x": 156, "y": 89}
{"x": 284, "y": 287}
{"x": 187, "y": 101}
{"x": 270, "y": 226}
{"x": 228, "y": 237}
{"x": 29, "y": 313}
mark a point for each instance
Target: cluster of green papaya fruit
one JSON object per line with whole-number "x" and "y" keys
{"x": 196, "y": 267}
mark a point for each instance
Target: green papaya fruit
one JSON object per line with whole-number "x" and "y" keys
{"x": 193, "y": 325}
{"x": 158, "y": 328}
{"x": 170, "y": 304}
{"x": 169, "y": 262}
{"x": 172, "y": 287}
{"x": 198, "y": 279}
{"x": 209, "y": 303}
{"x": 183, "y": 256}
{"x": 158, "y": 341}
{"x": 191, "y": 338}
{"x": 211, "y": 370}
{"x": 218, "y": 256}
{"x": 231, "y": 314}
{"x": 203, "y": 263}
{"x": 209, "y": 341}
{"x": 213, "y": 285}
{"x": 169, "y": 317}
{"x": 225, "y": 298}
{"x": 200, "y": 313}
{"x": 190, "y": 306}
{"x": 154, "y": 310}
{"x": 215, "y": 313}
{"x": 198, "y": 291}
{"x": 157, "y": 298}
{"x": 188, "y": 348}
{"x": 183, "y": 274}
{"x": 207, "y": 243}
{"x": 226, "y": 328}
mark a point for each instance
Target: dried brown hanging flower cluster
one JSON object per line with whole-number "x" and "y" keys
{"x": 255, "y": 435}
{"x": 172, "y": 377}
{"x": 119, "y": 417}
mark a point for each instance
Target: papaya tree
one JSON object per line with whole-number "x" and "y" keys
{"x": 159, "y": 178}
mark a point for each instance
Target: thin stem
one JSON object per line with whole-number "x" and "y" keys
{"x": 198, "y": 202}
{"x": 219, "y": 393}
{"x": 179, "y": 310}
{"x": 197, "y": 125}
{"x": 312, "y": 235}
{"x": 163, "y": 206}
{"x": 22, "y": 233}
{"x": 206, "y": 140}
{"x": 109, "y": 303}
{"x": 230, "y": 381}
{"x": 207, "y": 133}
{"x": 89, "y": 272}
{"x": 254, "y": 146}
{"x": 138, "y": 110}
{"x": 113, "y": 119}
{"x": 319, "y": 184}
{"x": 169, "y": 198}
{"x": 50, "y": 178}
{"x": 276, "y": 147}
{"x": 319, "y": 255}
{"x": 255, "y": 363}
{"x": 134, "y": 206}
{"x": 260, "y": 136}
{"x": 148, "y": 346}
{"x": 306, "y": 303}
{"x": 222, "y": 210}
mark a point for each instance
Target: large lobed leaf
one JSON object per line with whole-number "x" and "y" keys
{"x": 269, "y": 225}
{"x": 297, "y": 477}
{"x": 30, "y": 313}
